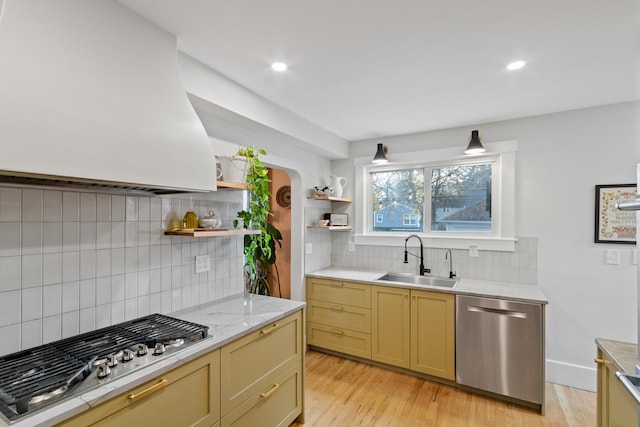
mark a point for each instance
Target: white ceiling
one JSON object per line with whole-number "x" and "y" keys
{"x": 371, "y": 68}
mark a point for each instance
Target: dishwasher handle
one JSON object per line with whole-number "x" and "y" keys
{"x": 498, "y": 311}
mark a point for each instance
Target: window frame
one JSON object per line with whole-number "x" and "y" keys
{"x": 501, "y": 238}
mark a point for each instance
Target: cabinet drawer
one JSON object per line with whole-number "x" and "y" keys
{"x": 339, "y": 291}
{"x": 250, "y": 363}
{"x": 339, "y": 339}
{"x": 190, "y": 398}
{"x": 339, "y": 315}
{"x": 276, "y": 404}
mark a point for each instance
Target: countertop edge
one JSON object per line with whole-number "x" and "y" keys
{"x": 521, "y": 292}
{"x": 623, "y": 354}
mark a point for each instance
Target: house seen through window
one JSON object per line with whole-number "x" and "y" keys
{"x": 444, "y": 198}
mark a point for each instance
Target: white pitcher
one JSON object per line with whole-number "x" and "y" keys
{"x": 338, "y": 183}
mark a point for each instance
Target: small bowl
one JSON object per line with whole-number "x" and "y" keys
{"x": 325, "y": 190}
{"x": 322, "y": 222}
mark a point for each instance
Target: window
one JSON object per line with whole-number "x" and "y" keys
{"x": 458, "y": 198}
{"x": 450, "y": 200}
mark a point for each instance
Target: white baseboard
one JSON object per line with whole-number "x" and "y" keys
{"x": 577, "y": 376}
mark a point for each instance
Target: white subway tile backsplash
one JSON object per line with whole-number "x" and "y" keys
{"x": 31, "y": 304}
{"x": 70, "y": 206}
{"x": 10, "y": 339}
{"x": 87, "y": 319}
{"x": 87, "y": 236}
{"x": 118, "y": 208}
{"x": 87, "y": 264}
{"x": 70, "y": 266}
{"x": 10, "y": 273}
{"x": 87, "y": 293}
{"x": 70, "y": 297}
{"x": 31, "y": 271}
{"x": 118, "y": 234}
{"x": 130, "y": 285}
{"x": 52, "y": 205}
{"x": 75, "y": 261}
{"x": 51, "y": 328}
{"x": 70, "y": 324}
{"x": 10, "y": 238}
{"x": 52, "y": 300}
{"x": 31, "y": 333}
{"x": 131, "y": 208}
{"x": 52, "y": 237}
{"x": 70, "y": 236}
{"x": 10, "y": 307}
{"x": 31, "y": 238}
{"x": 88, "y": 207}
{"x": 103, "y": 207}
{"x": 103, "y": 315}
{"x": 10, "y": 204}
{"x": 117, "y": 261}
{"x": 117, "y": 288}
{"x": 31, "y": 205}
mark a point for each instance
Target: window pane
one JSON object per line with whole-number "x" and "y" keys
{"x": 461, "y": 198}
{"x": 398, "y": 199}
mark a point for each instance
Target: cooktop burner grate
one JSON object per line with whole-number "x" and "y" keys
{"x": 49, "y": 370}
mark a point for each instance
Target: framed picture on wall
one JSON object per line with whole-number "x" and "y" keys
{"x": 613, "y": 225}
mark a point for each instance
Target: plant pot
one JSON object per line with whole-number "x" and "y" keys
{"x": 234, "y": 168}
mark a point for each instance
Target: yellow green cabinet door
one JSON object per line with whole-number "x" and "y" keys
{"x": 616, "y": 407}
{"x": 391, "y": 326}
{"x": 186, "y": 396}
{"x": 433, "y": 333}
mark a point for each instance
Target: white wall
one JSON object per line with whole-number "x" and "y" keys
{"x": 560, "y": 160}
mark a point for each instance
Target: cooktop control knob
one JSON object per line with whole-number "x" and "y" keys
{"x": 112, "y": 361}
{"x": 127, "y": 355}
{"x": 142, "y": 350}
{"x": 159, "y": 349}
{"x": 103, "y": 371}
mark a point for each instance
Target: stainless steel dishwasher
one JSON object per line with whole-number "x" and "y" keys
{"x": 499, "y": 347}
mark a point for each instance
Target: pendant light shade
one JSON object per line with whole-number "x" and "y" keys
{"x": 380, "y": 156}
{"x": 475, "y": 146}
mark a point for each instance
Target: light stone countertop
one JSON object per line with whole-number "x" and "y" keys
{"x": 475, "y": 287}
{"x": 227, "y": 319}
{"x": 623, "y": 354}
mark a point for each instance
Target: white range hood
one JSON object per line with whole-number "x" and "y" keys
{"x": 90, "y": 94}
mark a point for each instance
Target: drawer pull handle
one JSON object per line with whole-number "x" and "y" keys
{"x": 159, "y": 385}
{"x": 270, "y": 329}
{"x": 599, "y": 361}
{"x": 337, "y": 332}
{"x": 336, "y": 284}
{"x": 337, "y": 308}
{"x": 267, "y": 394}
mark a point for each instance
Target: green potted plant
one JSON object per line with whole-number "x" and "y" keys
{"x": 259, "y": 249}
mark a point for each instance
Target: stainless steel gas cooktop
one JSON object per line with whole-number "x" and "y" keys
{"x": 35, "y": 378}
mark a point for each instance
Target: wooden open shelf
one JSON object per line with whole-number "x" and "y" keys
{"x": 224, "y": 185}
{"x": 331, "y": 227}
{"x": 331, "y": 198}
{"x": 210, "y": 232}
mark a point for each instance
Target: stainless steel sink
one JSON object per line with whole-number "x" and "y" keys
{"x": 414, "y": 279}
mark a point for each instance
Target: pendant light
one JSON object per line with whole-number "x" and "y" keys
{"x": 380, "y": 156}
{"x": 475, "y": 146}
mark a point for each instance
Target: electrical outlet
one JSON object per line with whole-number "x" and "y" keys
{"x": 203, "y": 263}
{"x": 308, "y": 249}
{"x": 352, "y": 247}
{"x": 612, "y": 256}
{"x": 473, "y": 251}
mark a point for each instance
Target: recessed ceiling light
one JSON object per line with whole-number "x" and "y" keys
{"x": 516, "y": 65}
{"x": 279, "y": 66}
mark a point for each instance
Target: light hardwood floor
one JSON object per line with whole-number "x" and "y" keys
{"x": 341, "y": 392}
